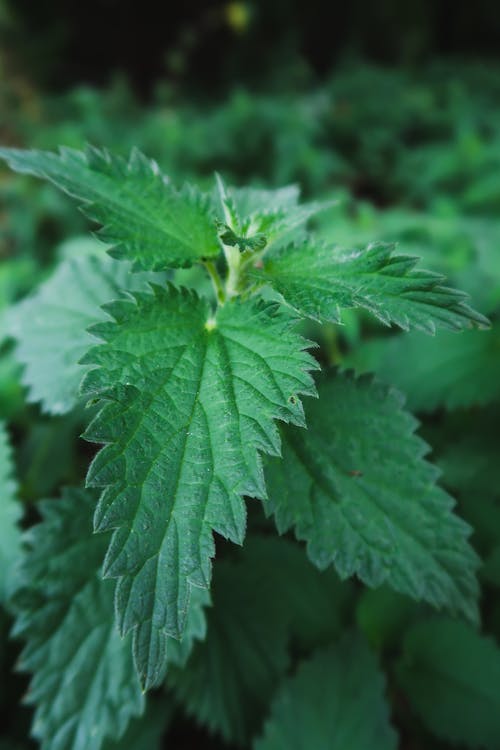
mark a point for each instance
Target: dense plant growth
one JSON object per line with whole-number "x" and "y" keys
{"x": 222, "y": 352}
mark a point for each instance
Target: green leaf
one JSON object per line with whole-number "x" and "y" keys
{"x": 251, "y": 201}
{"x": 250, "y": 244}
{"x": 357, "y": 489}
{"x": 10, "y": 514}
{"x": 231, "y": 676}
{"x": 146, "y": 732}
{"x": 283, "y": 573}
{"x": 451, "y": 371}
{"x": 469, "y": 461}
{"x": 178, "y": 651}
{"x": 335, "y": 700}
{"x": 319, "y": 280}
{"x": 451, "y": 675}
{"x": 146, "y": 219}
{"x": 383, "y": 615}
{"x": 190, "y": 402}
{"x": 468, "y": 455}
{"x": 84, "y": 686}
{"x": 50, "y": 327}
{"x": 256, "y": 218}
{"x": 259, "y": 608}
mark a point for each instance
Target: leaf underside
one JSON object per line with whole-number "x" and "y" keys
{"x": 50, "y": 327}
{"x": 356, "y": 487}
{"x": 190, "y": 402}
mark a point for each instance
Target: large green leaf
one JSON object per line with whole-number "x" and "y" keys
{"x": 319, "y": 280}
{"x": 357, "y": 489}
{"x": 10, "y": 513}
{"x": 145, "y": 218}
{"x": 451, "y": 675}
{"x": 190, "y": 402}
{"x": 335, "y": 700}
{"x": 50, "y": 328}
{"x": 84, "y": 686}
{"x": 270, "y": 596}
{"x": 451, "y": 371}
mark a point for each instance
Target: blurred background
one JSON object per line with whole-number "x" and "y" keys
{"x": 390, "y": 105}
{"x": 392, "y": 108}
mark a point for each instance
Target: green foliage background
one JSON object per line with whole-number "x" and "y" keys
{"x": 409, "y": 154}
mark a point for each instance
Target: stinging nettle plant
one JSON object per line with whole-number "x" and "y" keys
{"x": 199, "y": 405}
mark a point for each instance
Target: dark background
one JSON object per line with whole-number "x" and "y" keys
{"x": 62, "y": 43}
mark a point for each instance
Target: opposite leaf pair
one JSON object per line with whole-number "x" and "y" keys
{"x": 191, "y": 389}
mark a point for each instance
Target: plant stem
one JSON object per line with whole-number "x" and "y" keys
{"x": 233, "y": 258}
{"x": 220, "y": 292}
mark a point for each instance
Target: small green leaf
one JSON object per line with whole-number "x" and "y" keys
{"x": 335, "y": 700}
{"x": 319, "y": 280}
{"x": 10, "y": 514}
{"x": 256, "y": 215}
{"x": 84, "y": 686}
{"x": 357, "y": 489}
{"x": 50, "y": 326}
{"x": 146, "y": 219}
{"x": 190, "y": 400}
{"x": 451, "y": 675}
{"x": 245, "y": 244}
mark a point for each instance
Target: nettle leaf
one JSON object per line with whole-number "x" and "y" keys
{"x": 178, "y": 651}
{"x": 10, "y": 514}
{"x": 451, "y": 371}
{"x": 282, "y": 574}
{"x": 146, "y": 732}
{"x": 50, "y": 326}
{"x": 357, "y": 489}
{"x": 191, "y": 401}
{"x": 146, "y": 219}
{"x": 319, "y": 280}
{"x": 251, "y": 244}
{"x": 270, "y": 575}
{"x": 248, "y": 201}
{"x": 256, "y": 218}
{"x": 451, "y": 675}
{"x": 84, "y": 686}
{"x": 335, "y": 700}
{"x": 240, "y": 641}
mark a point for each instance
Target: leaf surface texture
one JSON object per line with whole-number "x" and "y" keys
{"x": 190, "y": 402}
